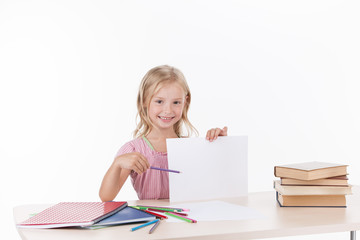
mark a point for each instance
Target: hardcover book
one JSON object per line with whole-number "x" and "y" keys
{"x": 311, "y": 190}
{"x": 310, "y": 170}
{"x": 311, "y": 200}
{"x": 333, "y": 181}
{"x": 71, "y": 214}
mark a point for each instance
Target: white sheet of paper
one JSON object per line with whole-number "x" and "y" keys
{"x": 216, "y": 211}
{"x": 209, "y": 170}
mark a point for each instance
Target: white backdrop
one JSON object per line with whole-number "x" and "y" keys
{"x": 285, "y": 73}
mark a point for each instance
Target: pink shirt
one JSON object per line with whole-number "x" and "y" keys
{"x": 152, "y": 184}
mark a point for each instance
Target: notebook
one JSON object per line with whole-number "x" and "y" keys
{"x": 73, "y": 214}
{"x": 126, "y": 215}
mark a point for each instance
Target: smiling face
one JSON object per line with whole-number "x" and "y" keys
{"x": 166, "y": 106}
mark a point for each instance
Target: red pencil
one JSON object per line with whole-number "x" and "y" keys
{"x": 180, "y": 213}
{"x": 156, "y": 214}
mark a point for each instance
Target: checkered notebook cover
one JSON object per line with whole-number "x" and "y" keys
{"x": 70, "y": 214}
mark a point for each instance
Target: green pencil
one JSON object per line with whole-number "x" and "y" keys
{"x": 181, "y": 218}
{"x": 158, "y": 208}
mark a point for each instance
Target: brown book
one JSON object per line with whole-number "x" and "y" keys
{"x": 312, "y": 200}
{"x": 310, "y": 170}
{"x": 333, "y": 181}
{"x": 311, "y": 190}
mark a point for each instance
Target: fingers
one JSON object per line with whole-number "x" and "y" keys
{"x": 209, "y": 134}
{"x": 213, "y": 133}
{"x": 142, "y": 164}
{"x": 224, "y": 132}
{"x": 139, "y": 168}
{"x": 134, "y": 161}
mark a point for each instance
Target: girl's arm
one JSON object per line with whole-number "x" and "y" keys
{"x": 213, "y": 133}
{"x": 119, "y": 171}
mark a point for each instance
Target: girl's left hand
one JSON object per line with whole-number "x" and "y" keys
{"x": 213, "y": 133}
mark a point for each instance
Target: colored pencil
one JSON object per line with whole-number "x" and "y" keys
{"x": 158, "y": 209}
{"x": 154, "y": 227}
{"x": 144, "y": 225}
{"x": 156, "y": 214}
{"x": 163, "y": 169}
{"x": 179, "y": 217}
{"x": 164, "y": 210}
{"x": 193, "y": 220}
{"x": 182, "y": 214}
{"x": 181, "y": 209}
{"x": 135, "y": 207}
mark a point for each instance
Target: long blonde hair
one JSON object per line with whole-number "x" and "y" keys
{"x": 153, "y": 80}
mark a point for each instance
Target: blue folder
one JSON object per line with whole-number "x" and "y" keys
{"x": 126, "y": 215}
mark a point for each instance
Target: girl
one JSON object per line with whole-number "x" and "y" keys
{"x": 163, "y": 103}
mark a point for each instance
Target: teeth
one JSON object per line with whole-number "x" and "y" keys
{"x": 165, "y": 118}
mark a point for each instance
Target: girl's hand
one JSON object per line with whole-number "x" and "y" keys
{"x": 133, "y": 161}
{"x": 213, "y": 133}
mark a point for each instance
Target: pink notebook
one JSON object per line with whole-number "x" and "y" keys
{"x": 71, "y": 214}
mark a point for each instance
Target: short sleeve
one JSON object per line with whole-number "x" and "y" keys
{"x": 126, "y": 148}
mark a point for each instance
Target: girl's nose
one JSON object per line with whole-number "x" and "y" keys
{"x": 167, "y": 108}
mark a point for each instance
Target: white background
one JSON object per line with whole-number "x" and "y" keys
{"x": 285, "y": 73}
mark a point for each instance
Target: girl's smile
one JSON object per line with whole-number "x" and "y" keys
{"x": 166, "y": 119}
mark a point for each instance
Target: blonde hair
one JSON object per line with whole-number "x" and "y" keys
{"x": 151, "y": 83}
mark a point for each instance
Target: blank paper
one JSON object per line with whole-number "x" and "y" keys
{"x": 209, "y": 170}
{"x": 217, "y": 211}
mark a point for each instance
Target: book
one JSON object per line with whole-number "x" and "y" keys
{"x": 126, "y": 215}
{"x": 310, "y": 170}
{"x": 311, "y": 190}
{"x": 72, "y": 214}
{"x": 311, "y": 200}
{"x": 333, "y": 181}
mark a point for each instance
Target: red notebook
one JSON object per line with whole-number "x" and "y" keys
{"x": 70, "y": 214}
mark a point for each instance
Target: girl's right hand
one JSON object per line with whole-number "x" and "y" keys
{"x": 133, "y": 161}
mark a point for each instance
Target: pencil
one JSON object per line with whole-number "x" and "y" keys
{"x": 180, "y": 217}
{"x": 154, "y": 227}
{"x": 163, "y": 210}
{"x": 182, "y": 214}
{"x": 181, "y": 209}
{"x": 193, "y": 220}
{"x": 144, "y": 225}
{"x": 158, "y": 209}
{"x": 163, "y": 169}
{"x": 156, "y": 214}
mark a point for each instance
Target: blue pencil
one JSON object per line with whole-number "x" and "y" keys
{"x": 144, "y": 225}
{"x": 163, "y": 169}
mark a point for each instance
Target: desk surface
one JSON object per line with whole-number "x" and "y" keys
{"x": 278, "y": 222}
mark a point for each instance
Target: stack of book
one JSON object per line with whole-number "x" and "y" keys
{"x": 312, "y": 184}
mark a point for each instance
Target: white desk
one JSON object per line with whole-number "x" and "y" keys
{"x": 278, "y": 222}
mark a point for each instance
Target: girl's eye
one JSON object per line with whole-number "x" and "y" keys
{"x": 177, "y": 102}
{"x": 159, "y": 101}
